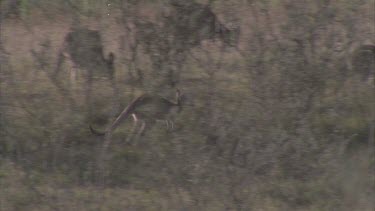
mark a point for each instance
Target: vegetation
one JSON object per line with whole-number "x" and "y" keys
{"x": 277, "y": 105}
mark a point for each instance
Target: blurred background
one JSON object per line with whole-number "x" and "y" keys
{"x": 277, "y": 108}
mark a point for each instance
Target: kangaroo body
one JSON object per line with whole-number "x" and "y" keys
{"x": 145, "y": 108}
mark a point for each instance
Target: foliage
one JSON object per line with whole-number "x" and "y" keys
{"x": 278, "y": 105}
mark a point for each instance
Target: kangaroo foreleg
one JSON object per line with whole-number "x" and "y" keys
{"x": 133, "y": 130}
{"x": 141, "y": 129}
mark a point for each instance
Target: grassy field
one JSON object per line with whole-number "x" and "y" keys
{"x": 277, "y": 107}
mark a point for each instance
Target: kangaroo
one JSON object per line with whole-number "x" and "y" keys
{"x": 146, "y": 108}
{"x": 83, "y": 48}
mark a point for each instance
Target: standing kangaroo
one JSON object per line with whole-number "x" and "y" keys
{"x": 83, "y": 47}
